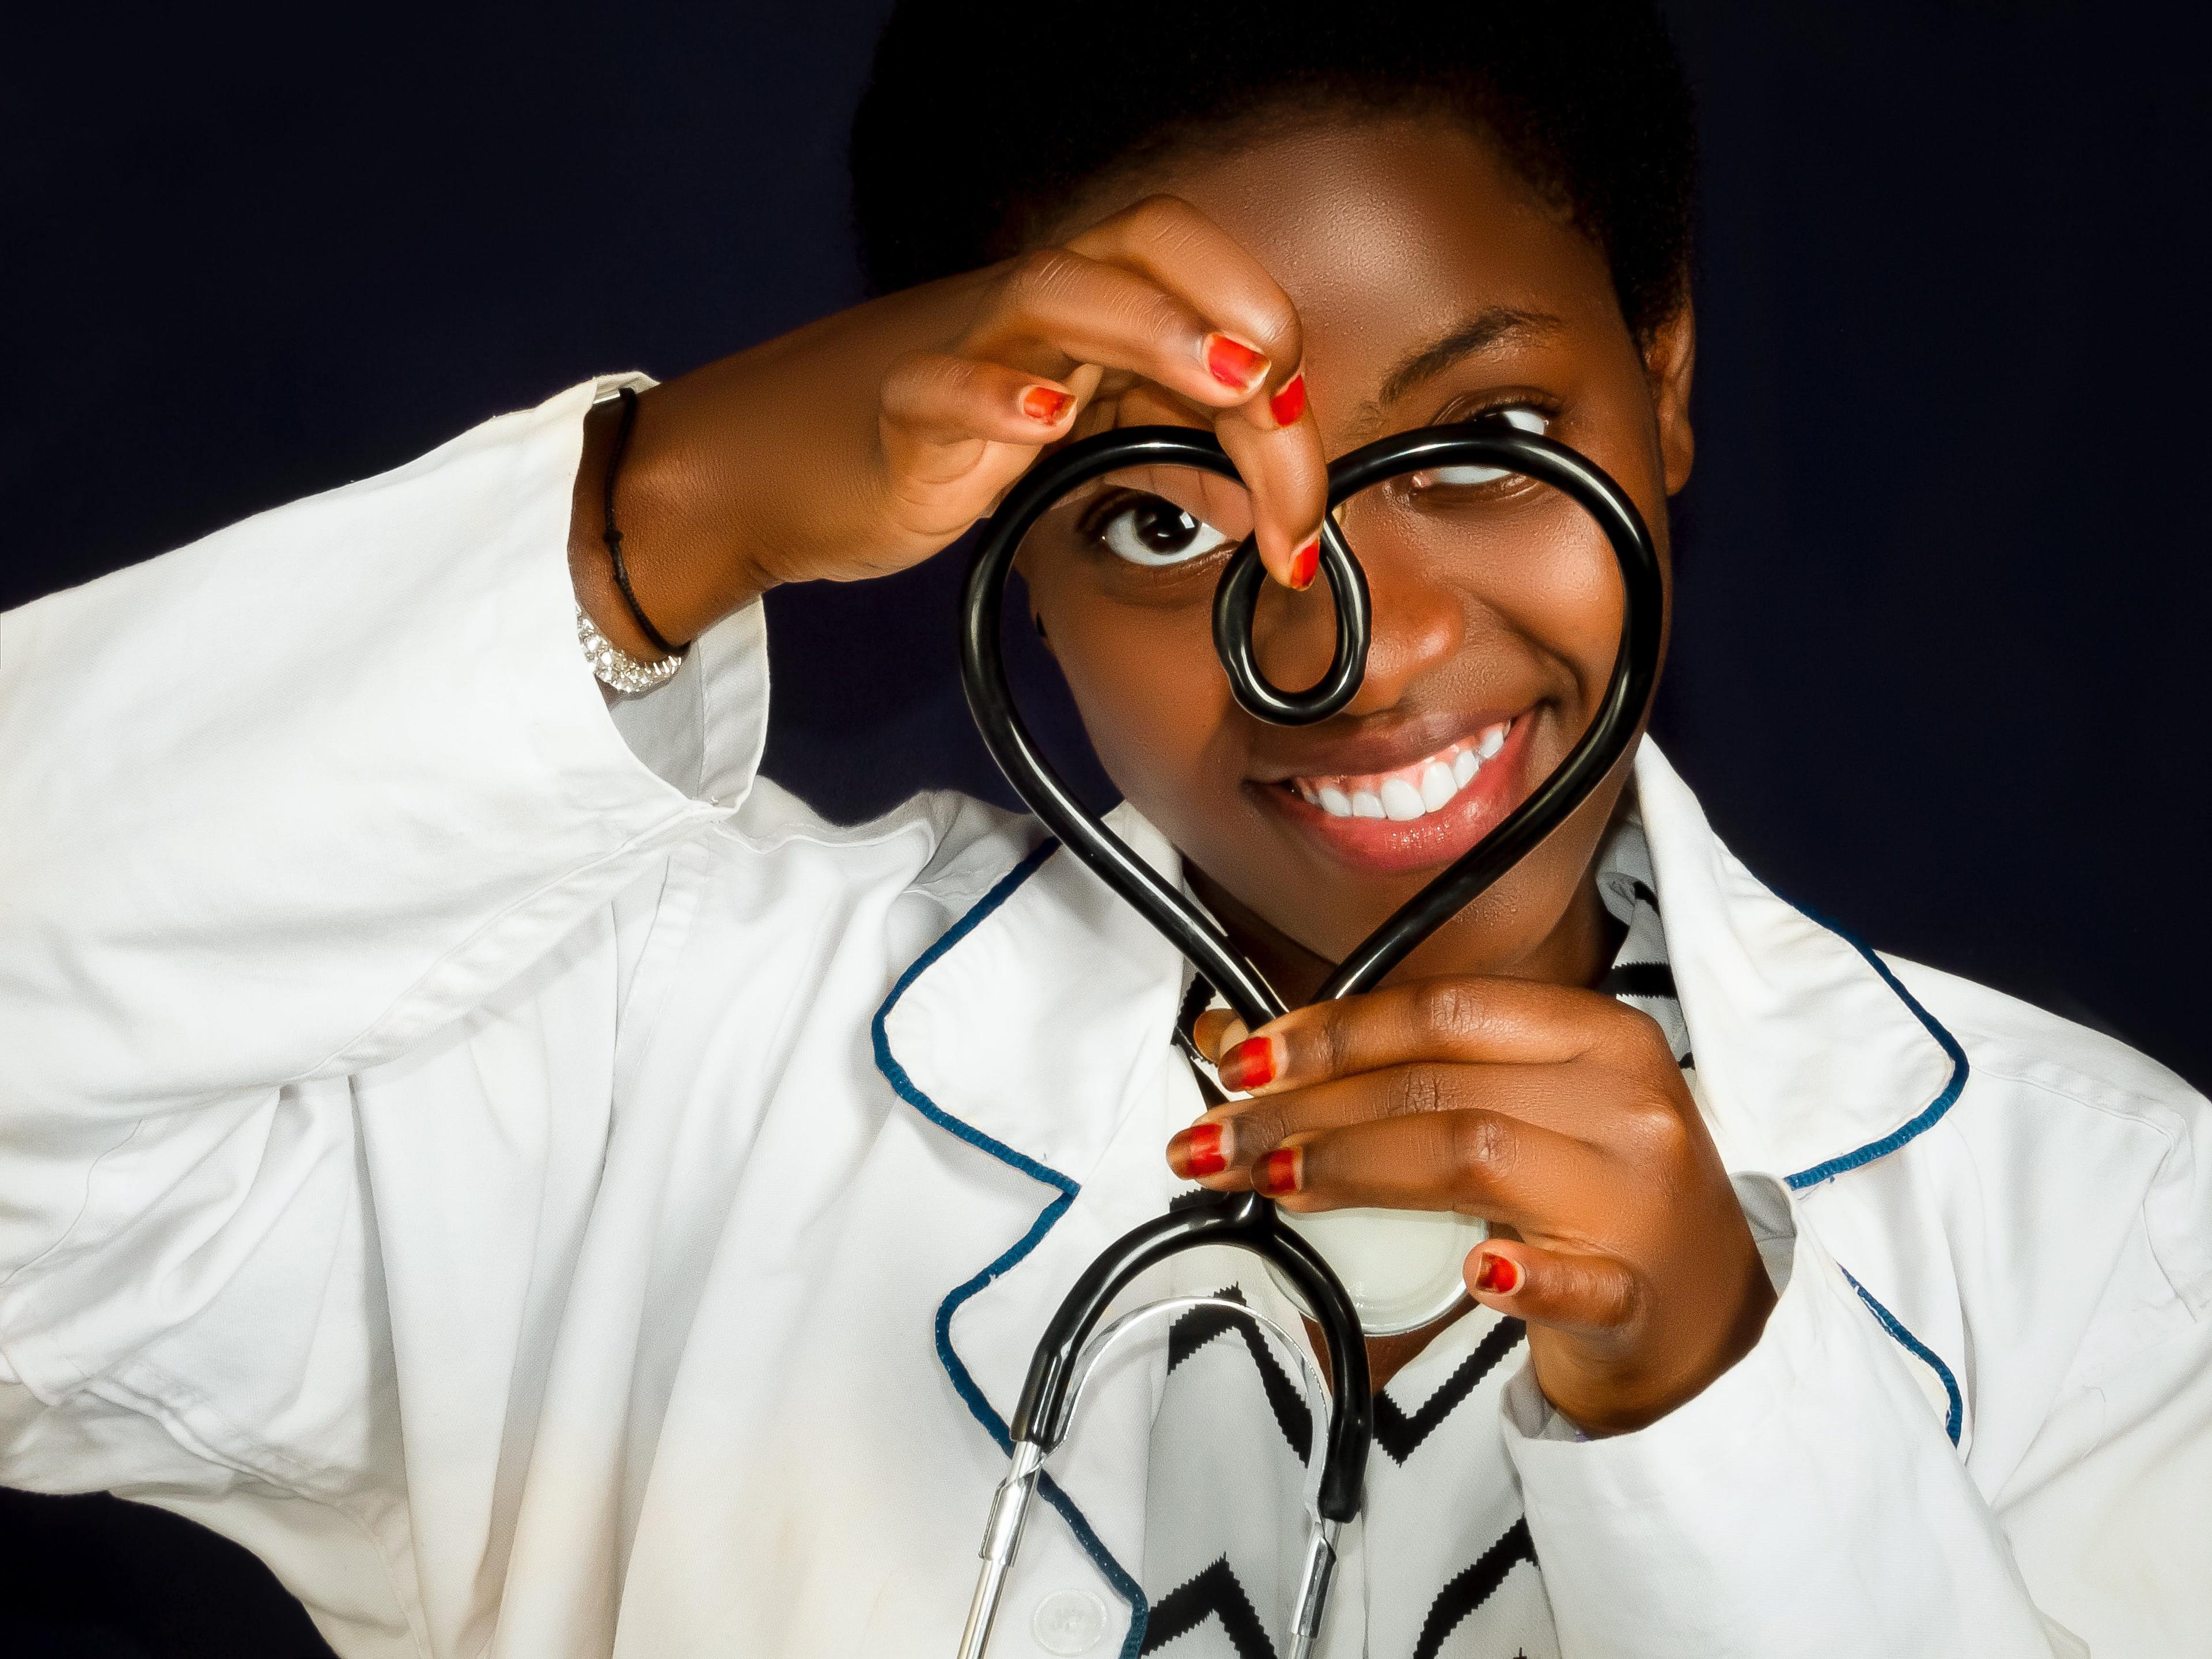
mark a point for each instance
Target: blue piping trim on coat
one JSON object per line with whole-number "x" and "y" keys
{"x": 1953, "y": 1420}
{"x": 963, "y": 1382}
{"x": 1935, "y": 1108}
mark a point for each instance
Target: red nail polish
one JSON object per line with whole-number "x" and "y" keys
{"x": 1232, "y": 362}
{"x": 1278, "y": 1172}
{"x": 1305, "y": 565}
{"x": 1041, "y": 403}
{"x": 1289, "y": 403}
{"x": 1249, "y": 1064}
{"x": 1497, "y": 1276}
{"x": 1202, "y": 1150}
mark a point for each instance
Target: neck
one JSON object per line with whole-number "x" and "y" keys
{"x": 1577, "y": 950}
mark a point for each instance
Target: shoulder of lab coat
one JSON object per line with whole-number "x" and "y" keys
{"x": 327, "y": 810}
{"x": 1977, "y": 1421}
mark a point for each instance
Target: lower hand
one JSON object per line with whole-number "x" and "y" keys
{"x": 1557, "y": 1115}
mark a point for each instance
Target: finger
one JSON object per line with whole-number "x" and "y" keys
{"x": 934, "y": 401}
{"x": 1054, "y": 309}
{"x": 1271, "y": 437}
{"x": 1454, "y": 1017}
{"x": 1548, "y": 1287}
{"x": 1474, "y": 1162}
{"x": 1216, "y": 1030}
{"x": 956, "y": 432}
{"x": 1168, "y": 240}
{"x": 1230, "y": 1137}
{"x": 1288, "y": 476}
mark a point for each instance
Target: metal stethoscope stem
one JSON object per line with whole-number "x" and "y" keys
{"x": 1011, "y": 1503}
{"x": 1068, "y": 1351}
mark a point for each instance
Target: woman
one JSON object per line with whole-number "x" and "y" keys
{"x": 474, "y": 1142}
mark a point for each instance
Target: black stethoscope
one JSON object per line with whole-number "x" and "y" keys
{"x": 1073, "y": 1343}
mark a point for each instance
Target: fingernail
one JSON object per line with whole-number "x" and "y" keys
{"x": 1231, "y": 362}
{"x": 1278, "y": 1172}
{"x": 1249, "y": 1064}
{"x": 1043, "y": 403}
{"x": 1497, "y": 1275}
{"x": 1305, "y": 565}
{"x": 1289, "y": 403}
{"x": 1200, "y": 1151}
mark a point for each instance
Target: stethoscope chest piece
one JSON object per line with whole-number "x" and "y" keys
{"x": 1401, "y": 1268}
{"x": 1354, "y": 1272}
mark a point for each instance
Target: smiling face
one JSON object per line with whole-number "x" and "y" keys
{"x": 1432, "y": 286}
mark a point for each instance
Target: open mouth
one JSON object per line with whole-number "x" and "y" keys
{"x": 1415, "y": 816}
{"x": 1428, "y": 785}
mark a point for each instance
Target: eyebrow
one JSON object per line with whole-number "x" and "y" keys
{"x": 1492, "y": 327}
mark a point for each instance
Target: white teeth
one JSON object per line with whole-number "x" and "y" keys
{"x": 1401, "y": 800}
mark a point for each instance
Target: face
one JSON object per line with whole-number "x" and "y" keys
{"x": 1432, "y": 286}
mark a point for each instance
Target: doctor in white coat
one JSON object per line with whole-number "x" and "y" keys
{"x": 466, "y": 1136}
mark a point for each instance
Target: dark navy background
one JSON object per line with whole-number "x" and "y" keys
{"x": 1944, "y": 589}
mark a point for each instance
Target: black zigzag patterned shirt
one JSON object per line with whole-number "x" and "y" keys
{"x": 1439, "y": 1566}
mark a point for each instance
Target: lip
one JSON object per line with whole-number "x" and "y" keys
{"x": 1389, "y": 846}
{"x": 1354, "y": 754}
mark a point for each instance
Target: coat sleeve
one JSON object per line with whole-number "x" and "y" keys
{"x": 272, "y": 808}
{"x": 1810, "y": 1502}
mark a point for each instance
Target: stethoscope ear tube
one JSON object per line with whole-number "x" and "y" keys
{"x": 1611, "y": 732}
{"x": 1246, "y": 1221}
{"x": 1237, "y": 597}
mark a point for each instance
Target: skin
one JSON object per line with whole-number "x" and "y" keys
{"x": 1485, "y": 1077}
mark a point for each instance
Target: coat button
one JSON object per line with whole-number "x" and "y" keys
{"x": 1069, "y": 1621}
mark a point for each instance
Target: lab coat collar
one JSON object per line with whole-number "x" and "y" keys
{"x": 1033, "y": 1019}
{"x": 1811, "y": 1059}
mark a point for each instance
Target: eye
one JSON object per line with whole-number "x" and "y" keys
{"x": 1518, "y": 416}
{"x": 1150, "y": 530}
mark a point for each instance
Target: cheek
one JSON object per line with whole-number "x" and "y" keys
{"x": 1153, "y": 701}
{"x": 1576, "y": 608}
{"x": 1541, "y": 593}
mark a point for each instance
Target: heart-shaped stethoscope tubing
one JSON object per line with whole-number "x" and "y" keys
{"x": 1065, "y": 1353}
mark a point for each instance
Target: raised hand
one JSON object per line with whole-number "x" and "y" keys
{"x": 863, "y": 443}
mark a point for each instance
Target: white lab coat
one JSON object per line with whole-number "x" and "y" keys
{"x": 549, "y": 1194}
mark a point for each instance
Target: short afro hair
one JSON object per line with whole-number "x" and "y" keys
{"x": 984, "y": 120}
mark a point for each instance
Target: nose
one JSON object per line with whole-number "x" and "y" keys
{"x": 1419, "y": 624}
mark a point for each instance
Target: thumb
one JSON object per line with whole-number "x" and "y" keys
{"x": 1591, "y": 1293}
